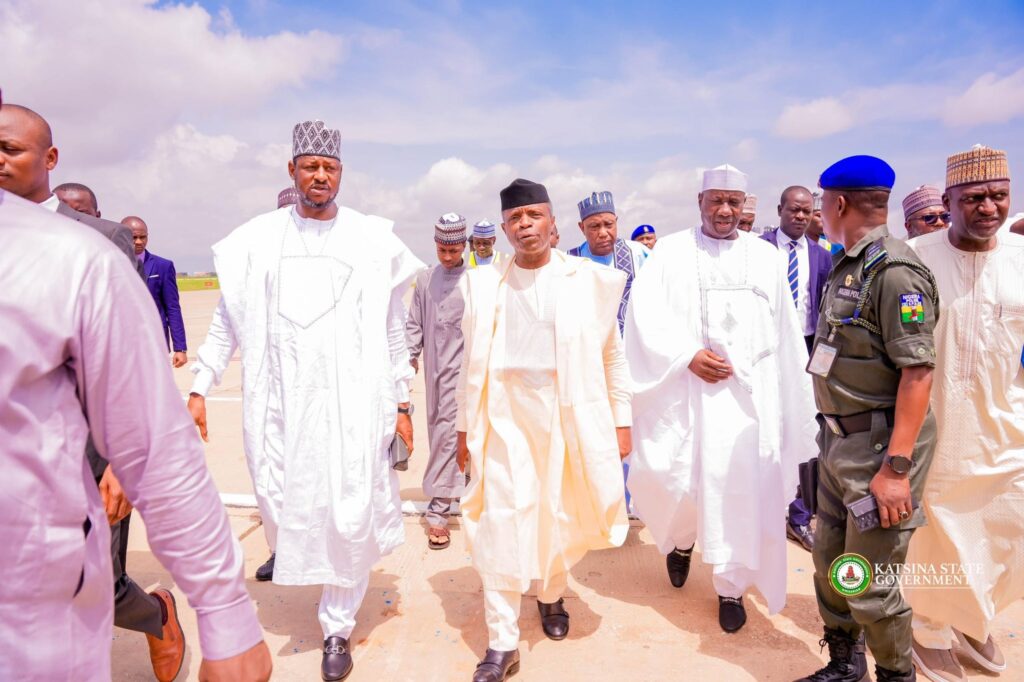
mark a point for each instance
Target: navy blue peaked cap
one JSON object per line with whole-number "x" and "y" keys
{"x": 858, "y": 173}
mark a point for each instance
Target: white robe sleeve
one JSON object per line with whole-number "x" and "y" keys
{"x": 155, "y": 454}
{"x": 399, "y": 352}
{"x": 799, "y": 427}
{"x": 213, "y": 356}
{"x": 616, "y": 373}
{"x": 659, "y": 336}
{"x": 404, "y": 268}
{"x": 460, "y": 385}
{"x": 414, "y": 326}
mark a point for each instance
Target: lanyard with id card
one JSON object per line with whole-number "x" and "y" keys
{"x": 823, "y": 356}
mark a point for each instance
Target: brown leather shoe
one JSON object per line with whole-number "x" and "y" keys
{"x": 167, "y": 654}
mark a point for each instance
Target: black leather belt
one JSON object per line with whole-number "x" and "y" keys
{"x": 856, "y": 423}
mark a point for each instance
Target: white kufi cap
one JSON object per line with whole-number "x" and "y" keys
{"x": 725, "y": 177}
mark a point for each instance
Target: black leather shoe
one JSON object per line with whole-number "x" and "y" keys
{"x": 731, "y": 614}
{"x": 886, "y": 675}
{"x": 846, "y": 663}
{"x": 801, "y": 535}
{"x": 678, "y": 562}
{"x": 337, "y": 662}
{"x": 554, "y": 619}
{"x": 266, "y": 571}
{"x": 497, "y": 666}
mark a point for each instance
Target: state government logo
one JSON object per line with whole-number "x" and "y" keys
{"x": 850, "y": 575}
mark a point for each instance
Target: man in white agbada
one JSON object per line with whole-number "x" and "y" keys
{"x": 325, "y": 374}
{"x": 723, "y": 409}
{"x": 972, "y": 496}
{"x": 544, "y": 417}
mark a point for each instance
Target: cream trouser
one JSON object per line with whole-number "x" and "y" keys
{"x": 338, "y": 607}
{"x": 932, "y": 634}
{"x": 731, "y": 580}
{"x": 501, "y": 611}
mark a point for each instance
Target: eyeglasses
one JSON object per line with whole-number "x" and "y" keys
{"x": 934, "y": 218}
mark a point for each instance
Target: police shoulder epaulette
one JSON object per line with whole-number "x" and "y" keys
{"x": 874, "y": 256}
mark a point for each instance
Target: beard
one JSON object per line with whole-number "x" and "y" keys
{"x": 309, "y": 203}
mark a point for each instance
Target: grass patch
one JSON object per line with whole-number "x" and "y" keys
{"x": 197, "y": 283}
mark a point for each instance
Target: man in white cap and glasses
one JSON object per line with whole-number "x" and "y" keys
{"x": 923, "y": 212}
{"x": 481, "y": 245}
{"x": 434, "y": 333}
{"x": 715, "y": 351}
{"x": 325, "y": 382}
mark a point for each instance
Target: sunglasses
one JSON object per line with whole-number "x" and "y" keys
{"x": 934, "y": 218}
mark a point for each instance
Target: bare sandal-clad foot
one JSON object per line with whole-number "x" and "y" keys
{"x": 438, "y": 538}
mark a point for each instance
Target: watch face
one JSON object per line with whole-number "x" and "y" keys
{"x": 900, "y": 465}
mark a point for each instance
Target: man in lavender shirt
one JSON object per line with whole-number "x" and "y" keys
{"x": 67, "y": 370}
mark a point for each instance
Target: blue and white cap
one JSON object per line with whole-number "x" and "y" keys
{"x": 484, "y": 230}
{"x": 598, "y": 202}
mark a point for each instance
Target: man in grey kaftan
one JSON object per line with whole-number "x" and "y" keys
{"x": 434, "y": 333}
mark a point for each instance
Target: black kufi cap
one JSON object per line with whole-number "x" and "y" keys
{"x": 523, "y": 193}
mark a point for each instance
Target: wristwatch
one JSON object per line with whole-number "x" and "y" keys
{"x": 407, "y": 410}
{"x": 898, "y": 463}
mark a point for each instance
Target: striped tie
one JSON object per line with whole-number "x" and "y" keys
{"x": 794, "y": 282}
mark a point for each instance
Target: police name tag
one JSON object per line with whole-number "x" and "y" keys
{"x": 822, "y": 358}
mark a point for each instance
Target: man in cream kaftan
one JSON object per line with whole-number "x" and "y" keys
{"x": 717, "y": 451}
{"x": 544, "y": 412}
{"x": 321, "y": 330}
{"x": 972, "y": 496}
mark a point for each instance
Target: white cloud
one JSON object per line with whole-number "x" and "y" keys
{"x": 116, "y": 74}
{"x": 817, "y": 118}
{"x": 989, "y": 99}
{"x": 746, "y": 149}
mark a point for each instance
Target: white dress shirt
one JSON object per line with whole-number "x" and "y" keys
{"x": 803, "y": 273}
{"x": 51, "y": 204}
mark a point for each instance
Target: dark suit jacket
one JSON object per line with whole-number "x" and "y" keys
{"x": 163, "y": 285}
{"x": 820, "y": 265}
{"x": 121, "y": 236}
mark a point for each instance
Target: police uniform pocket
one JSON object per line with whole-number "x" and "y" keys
{"x": 856, "y": 342}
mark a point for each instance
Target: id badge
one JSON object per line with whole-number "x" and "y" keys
{"x": 822, "y": 358}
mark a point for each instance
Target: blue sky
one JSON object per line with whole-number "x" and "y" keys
{"x": 440, "y": 105}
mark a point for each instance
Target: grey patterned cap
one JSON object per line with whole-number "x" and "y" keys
{"x": 450, "y": 229}
{"x": 313, "y": 138}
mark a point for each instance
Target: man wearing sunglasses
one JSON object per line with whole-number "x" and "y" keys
{"x": 923, "y": 211}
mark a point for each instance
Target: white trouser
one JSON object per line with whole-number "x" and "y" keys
{"x": 270, "y": 499}
{"x": 338, "y": 607}
{"x": 731, "y": 580}
{"x": 501, "y": 611}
